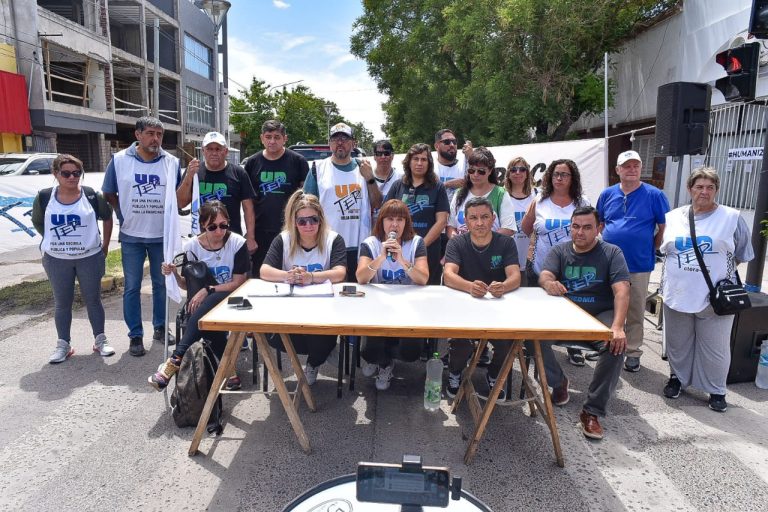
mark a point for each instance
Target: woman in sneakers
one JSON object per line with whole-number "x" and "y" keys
{"x": 395, "y": 254}
{"x": 226, "y": 255}
{"x": 67, "y": 216}
{"x": 698, "y": 345}
{"x": 306, "y": 252}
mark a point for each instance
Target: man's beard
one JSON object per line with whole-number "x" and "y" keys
{"x": 447, "y": 155}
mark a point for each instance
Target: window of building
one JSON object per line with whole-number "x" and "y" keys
{"x": 198, "y": 58}
{"x": 199, "y": 108}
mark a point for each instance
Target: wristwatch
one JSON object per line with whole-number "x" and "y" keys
{"x": 371, "y": 181}
{"x": 210, "y": 289}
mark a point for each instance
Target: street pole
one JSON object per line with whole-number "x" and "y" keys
{"x": 156, "y": 74}
{"x": 328, "y": 108}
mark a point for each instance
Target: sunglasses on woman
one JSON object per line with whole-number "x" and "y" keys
{"x": 69, "y": 174}
{"x": 515, "y": 170}
{"x": 478, "y": 170}
{"x": 312, "y": 220}
{"x": 213, "y": 227}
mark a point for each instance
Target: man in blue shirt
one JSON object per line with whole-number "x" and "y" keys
{"x": 135, "y": 184}
{"x": 633, "y": 215}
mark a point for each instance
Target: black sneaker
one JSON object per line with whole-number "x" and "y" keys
{"x": 632, "y": 364}
{"x": 576, "y": 357}
{"x": 485, "y": 357}
{"x": 717, "y": 403}
{"x": 159, "y": 335}
{"x": 454, "y": 382}
{"x": 672, "y": 389}
{"x": 491, "y": 381}
{"x": 136, "y": 347}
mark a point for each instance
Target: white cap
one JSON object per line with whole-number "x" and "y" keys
{"x": 627, "y": 156}
{"x": 341, "y": 128}
{"x": 214, "y": 137}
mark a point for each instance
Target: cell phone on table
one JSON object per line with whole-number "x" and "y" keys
{"x": 234, "y": 301}
{"x": 245, "y": 304}
{"x": 351, "y": 291}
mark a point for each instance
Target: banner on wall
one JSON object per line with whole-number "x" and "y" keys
{"x": 17, "y": 193}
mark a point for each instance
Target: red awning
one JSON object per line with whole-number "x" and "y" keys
{"x": 14, "y": 112}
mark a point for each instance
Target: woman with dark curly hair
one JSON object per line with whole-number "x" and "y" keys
{"x": 481, "y": 180}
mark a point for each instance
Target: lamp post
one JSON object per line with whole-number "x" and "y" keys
{"x": 216, "y": 11}
{"x": 328, "y": 109}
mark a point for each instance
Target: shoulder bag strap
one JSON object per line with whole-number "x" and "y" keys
{"x": 696, "y": 250}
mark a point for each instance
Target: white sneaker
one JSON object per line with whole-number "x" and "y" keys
{"x": 384, "y": 377}
{"x": 369, "y": 369}
{"x": 310, "y": 372}
{"x": 62, "y": 352}
{"x": 101, "y": 346}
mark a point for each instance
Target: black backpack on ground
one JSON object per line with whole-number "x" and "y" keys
{"x": 193, "y": 382}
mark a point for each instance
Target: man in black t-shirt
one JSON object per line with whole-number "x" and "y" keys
{"x": 480, "y": 262}
{"x": 276, "y": 173}
{"x": 594, "y": 275}
{"x": 223, "y": 181}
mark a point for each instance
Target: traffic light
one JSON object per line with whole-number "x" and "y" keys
{"x": 758, "y": 19}
{"x": 741, "y": 65}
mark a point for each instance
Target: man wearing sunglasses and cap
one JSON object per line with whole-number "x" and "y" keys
{"x": 348, "y": 192}
{"x": 221, "y": 180}
{"x": 633, "y": 214}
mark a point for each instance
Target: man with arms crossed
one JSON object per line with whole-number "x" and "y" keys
{"x": 633, "y": 214}
{"x": 478, "y": 262}
{"x": 593, "y": 274}
{"x": 134, "y": 185}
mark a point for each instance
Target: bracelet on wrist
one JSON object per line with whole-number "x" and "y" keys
{"x": 311, "y": 277}
{"x": 371, "y": 268}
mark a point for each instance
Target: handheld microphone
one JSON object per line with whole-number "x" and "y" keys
{"x": 392, "y": 236}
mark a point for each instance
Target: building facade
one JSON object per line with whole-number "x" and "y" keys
{"x": 89, "y": 67}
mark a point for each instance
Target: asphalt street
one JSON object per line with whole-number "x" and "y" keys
{"x": 90, "y": 434}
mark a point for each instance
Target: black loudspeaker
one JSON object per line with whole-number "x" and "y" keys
{"x": 749, "y": 332}
{"x": 682, "y": 119}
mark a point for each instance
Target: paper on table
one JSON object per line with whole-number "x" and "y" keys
{"x": 267, "y": 289}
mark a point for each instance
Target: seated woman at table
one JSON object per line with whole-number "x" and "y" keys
{"x": 395, "y": 254}
{"x": 227, "y": 258}
{"x": 306, "y": 252}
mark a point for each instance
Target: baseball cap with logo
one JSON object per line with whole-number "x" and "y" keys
{"x": 341, "y": 128}
{"x": 627, "y": 156}
{"x": 214, "y": 137}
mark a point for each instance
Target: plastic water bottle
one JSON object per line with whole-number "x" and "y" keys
{"x": 434, "y": 384}
{"x": 761, "y": 380}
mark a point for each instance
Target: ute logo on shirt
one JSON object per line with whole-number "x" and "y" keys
{"x": 146, "y": 184}
{"x": 271, "y": 181}
{"x": 557, "y": 230}
{"x": 314, "y": 267}
{"x": 687, "y": 256}
{"x": 223, "y": 273}
{"x": 65, "y": 225}
{"x": 212, "y": 191}
{"x": 496, "y": 261}
{"x": 577, "y": 277}
{"x": 349, "y": 198}
{"x": 391, "y": 276}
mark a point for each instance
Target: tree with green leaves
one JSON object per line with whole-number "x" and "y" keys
{"x": 299, "y": 109}
{"x": 493, "y": 69}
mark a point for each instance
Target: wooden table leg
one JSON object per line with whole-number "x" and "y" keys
{"x": 501, "y": 379}
{"x": 527, "y": 390}
{"x": 549, "y": 418}
{"x": 282, "y": 391}
{"x": 230, "y": 356}
{"x": 301, "y": 379}
{"x": 466, "y": 387}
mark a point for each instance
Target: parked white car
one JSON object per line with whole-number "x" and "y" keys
{"x": 28, "y": 164}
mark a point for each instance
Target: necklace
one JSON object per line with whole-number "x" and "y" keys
{"x": 479, "y": 251}
{"x": 217, "y": 252}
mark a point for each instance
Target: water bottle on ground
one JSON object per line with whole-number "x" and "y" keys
{"x": 761, "y": 380}
{"x": 434, "y": 383}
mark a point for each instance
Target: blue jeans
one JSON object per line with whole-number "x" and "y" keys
{"x": 134, "y": 254}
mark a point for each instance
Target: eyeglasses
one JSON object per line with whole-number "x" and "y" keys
{"x": 312, "y": 220}
{"x": 561, "y": 175}
{"x": 69, "y": 174}
{"x": 448, "y": 142}
{"x": 515, "y": 170}
{"x": 213, "y": 227}
{"x": 478, "y": 170}
{"x": 340, "y": 139}
{"x": 382, "y": 153}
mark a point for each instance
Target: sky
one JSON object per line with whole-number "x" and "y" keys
{"x": 281, "y": 41}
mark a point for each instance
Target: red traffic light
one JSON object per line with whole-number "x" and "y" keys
{"x": 741, "y": 66}
{"x": 731, "y": 63}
